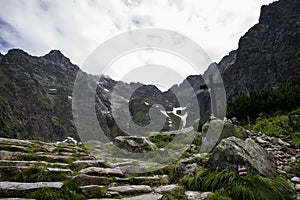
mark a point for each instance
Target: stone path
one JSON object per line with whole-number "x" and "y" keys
{"x": 286, "y": 156}
{"x": 98, "y": 179}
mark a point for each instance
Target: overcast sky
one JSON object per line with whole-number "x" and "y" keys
{"x": 77, "y": 27}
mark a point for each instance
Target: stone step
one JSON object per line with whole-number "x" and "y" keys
{"x": 168, "y": 188}
{"x": 93, "y": 191}
{"x": 151, "y": 196}
{"x": 130, "y": 189}
{"x": 16, "y": 189}
{"x": 9, "y": 173}
{"x": 90, "y": 163}
{"x": 31, "y": 163}
{"x": 84, "y": 179}
{"x": 110, "y": 172}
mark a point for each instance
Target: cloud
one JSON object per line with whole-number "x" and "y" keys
{"x": 77, "y": 27}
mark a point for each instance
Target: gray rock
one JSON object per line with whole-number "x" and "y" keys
{"x": 84, "y": 179}
{"x": 189, "y": 166}
{"x": 216, "y": 130}
{"x": 193, "y": 195}
{"x": 167, "y": 188}
{"x": 135, "y": 144}
{"x": 233, "y": 151}
{"x": 93, "y": 191}
{"x": 90, "y": 163}
{"x": 152, "y": 196}
{"x": 131, "y": 189}
{"x": 15, "y": 189}
{"x": 295, "y": 179}
{"x": 102, "y": 171}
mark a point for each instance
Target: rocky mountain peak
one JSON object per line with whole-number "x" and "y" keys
{"x": 278, "y": 12}
{"x": 57, "y": 57}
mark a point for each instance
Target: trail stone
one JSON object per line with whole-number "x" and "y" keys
{"x": 16, "y": 189}
{"x": 93, "y": 191}
{"x": 102, "y": 171}
{"x": 167, "y": 188}
{"x": 84, "y": 179}
{"x": 131, "y": 189}
{"x": 135, "y": 144}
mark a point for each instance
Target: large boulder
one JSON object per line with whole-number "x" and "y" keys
{"x": 216, "y": 130}
{"x": 135, "y": 144}
{"x": 233, "y": 151}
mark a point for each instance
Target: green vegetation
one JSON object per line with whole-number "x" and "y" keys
{"x": 39, "y": 174}
{"x": 161, "y": 140}
{"x": 279, "y": 124}
{"x": 250, "y": 187}
{"x": 175, "y": 194}
{"x": 69, "y": 191}
{"x": 283, "y": 98}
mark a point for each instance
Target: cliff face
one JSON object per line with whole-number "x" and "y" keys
{"x": 269, "y": 53}
{"x": 36, "y": 96}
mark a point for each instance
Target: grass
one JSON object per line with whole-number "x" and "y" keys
{"x": 279, "y": 124}
{"x": 69, "y": 191}
{"x": 38, "y": 174}
{"x": 175, "y": 194}
{"x": 161, "y": 140}
{"x": 249, "y": 187}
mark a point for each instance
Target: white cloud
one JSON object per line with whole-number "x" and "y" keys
{"x": 77, "y": 27}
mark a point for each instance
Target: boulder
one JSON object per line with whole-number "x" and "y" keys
{"x": 216, "y": 130}
{"x": 233, "y": 151}
{"x": 135, "y": 144}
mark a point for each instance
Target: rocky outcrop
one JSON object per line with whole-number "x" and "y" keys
{"x": 216, "y": 130}
{"x": 268, "y": 53}
{"x": 232, "y": 152}
{"x": 135, "y": 144}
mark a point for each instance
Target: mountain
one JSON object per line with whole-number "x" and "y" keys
{"x": 36, "y": 97}
{"x": 267, "y": 56}
{"x": 36, "y": 93}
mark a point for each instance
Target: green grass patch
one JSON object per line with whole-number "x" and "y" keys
{"x": 161, "y": 140}
{"x": 250, "y": 187}
{"x": 279, "y": 124}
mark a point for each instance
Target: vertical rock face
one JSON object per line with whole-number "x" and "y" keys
{"x": 35, "y": 95}
{"x": 269, "y": 52}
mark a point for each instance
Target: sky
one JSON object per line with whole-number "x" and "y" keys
{"x": 78, "y": 27}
